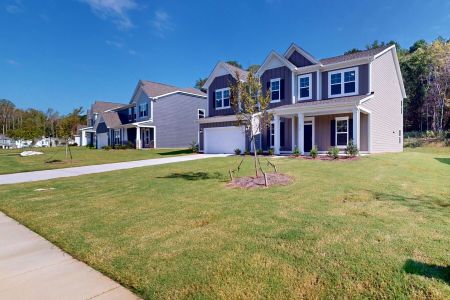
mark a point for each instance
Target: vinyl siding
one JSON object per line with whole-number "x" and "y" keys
{"x": 313, "y": 85}
{"x": 219, "y": 82}
{"x": 323, "y": 130}
{"x": 142, "y": 97}
{"x": 175, "y": 119}
{"x": 386, "y": 117}
{"x": 363, "y": 81}
{"x": 286, "y": 76}
{"x": 299, "y": 60}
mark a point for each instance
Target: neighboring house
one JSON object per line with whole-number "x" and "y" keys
{"x": 23, "y": 143}
{"x": 42, "y": 142}
{"x": 325, "y": 102}
{"x": 158, "y": 116}
{"x": 6, "y": 142}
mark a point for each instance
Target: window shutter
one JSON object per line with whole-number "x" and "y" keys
{"x": 282, "y": 89}
{"x": 333, "y": 133}
{"x": 350, "y": 129}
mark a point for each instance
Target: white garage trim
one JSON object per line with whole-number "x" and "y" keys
{"x": 223, "y": 139}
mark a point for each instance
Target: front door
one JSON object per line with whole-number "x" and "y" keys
{"x": 307, "y": 142}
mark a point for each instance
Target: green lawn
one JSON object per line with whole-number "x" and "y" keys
{"x": 55, "y": 158}
{"x": 378, "y": 227}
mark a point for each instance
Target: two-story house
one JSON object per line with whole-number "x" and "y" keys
{"x": 325, "y": 103}
{"x": 157, "y": 116}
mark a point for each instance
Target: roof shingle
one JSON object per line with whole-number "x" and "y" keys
{"x": 155, "y": 89}
{"x": 347, "y": 57}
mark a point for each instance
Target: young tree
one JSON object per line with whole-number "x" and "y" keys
{"x": 67, "y": 127}
{"x": 251, "y": 106}
{"x": 253, "y": 68}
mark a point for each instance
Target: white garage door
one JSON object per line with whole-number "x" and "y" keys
{"x": 102, "y": 140}
{"x": 224, "y": 139}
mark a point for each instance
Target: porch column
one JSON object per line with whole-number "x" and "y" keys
{"x": 301, "y": 134}
{"x": 293, "y": 133}
{"x": 276, "y": 130}
{"x": 356, "y": 127}
{"x": 138, "y": 137}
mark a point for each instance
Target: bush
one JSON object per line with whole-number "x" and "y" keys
{"x": 413, "y": 143}
{"x": 270, "y": 151}
{"x": 296, "y": 151}
{"x": 193, "y": 146}
{"x": 351, "y": 149}
{"x": 447, "y": 142}
{"x": 123, "y": 147}
{"x": 237, "y": 151}
{"x": 314, "y": 152}
{"x": 90, "y": 146}
{"x": 333, "y": 152}
{"x": 107, "y": 148}
{"x": 246, "y": 152}
{"x": 259, "y": 152}
{"x": 430, "y": 134}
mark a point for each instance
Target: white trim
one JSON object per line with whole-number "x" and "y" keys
{"x": 293, "y": 47}
{"x": 301, "y": 132}
{"x": 399, "y": 72}
{"x": 217, "y": 119}
{"x": 179, "y": 92}
{"x": 292, "y": 133}
{"x": 198, "y": 113}
{"x": 269, "y": 57}
{"x": 383, "y": 52}
{"x": 318, "y": 85}
{"x": 276, "y": 128}
{"x": 279, "y": 90}
{"x": 346, "y": 64}
{"x": 293, "y": 87}
{"x": 310, "y": 87}
{"x": 370, "y": 78}
{"x": 356, "y": 127}
{"x": 342, "y": 72}
{"x": 222, "y": 92}
{"x": 335, "y": 131}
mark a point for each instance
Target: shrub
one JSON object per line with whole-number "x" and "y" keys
{"x": 296, "y": 151}
{"x": 351, "y": 149}
{"x": 237, "y": 151}
{"x": 193, "y": 146}
{"x": 333, "y": 152}
{"x": 246, "y": 152}
{"x": 314, "y": 152}
{"x": 430, "y": 134}
{"x": 413, "y": 143}
{"x": 270, "y": 151}
{"x": 90, "y": 146}
{"x": 447, "y": 142}
{"x": 107, "y": 148}
{"x": 259, "y": 152}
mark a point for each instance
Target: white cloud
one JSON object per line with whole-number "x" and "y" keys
{"x": 116, "y": 10}
{"x": 12, "y": 62}
{"x": 114, "y": 43}
{"x": 162, "y": 23}
{"x": 14, "y": 7}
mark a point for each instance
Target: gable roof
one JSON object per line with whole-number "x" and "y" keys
{"x": 347, "y": 57}
{"x": 294, "y": 47}
{"x": 157, "y": 90}
{"x": 273, "y": 55}
{"x": 101, "y": 106}
{"x": 223, "y": 68}
{"x": 110, "y": 118}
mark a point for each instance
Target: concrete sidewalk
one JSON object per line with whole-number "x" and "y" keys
{"x": 76, "y": 171}
{"x": 33, "y": 268}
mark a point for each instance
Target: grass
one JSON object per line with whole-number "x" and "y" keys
{"x": 377, "y": 227}
{"x": 55, "y": 158}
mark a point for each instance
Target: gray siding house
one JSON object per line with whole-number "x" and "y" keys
{"x": 158, "y": 116}
{"x": 321, "y": 103}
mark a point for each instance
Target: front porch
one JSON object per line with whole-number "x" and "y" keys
{"x": 141, "y": 135}
{"x": 301, "y": 128}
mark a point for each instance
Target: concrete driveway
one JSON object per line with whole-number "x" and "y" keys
{"x": 76, "y": 171}
{"x": 33, "y": 268}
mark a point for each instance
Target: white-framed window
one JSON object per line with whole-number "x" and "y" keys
{"x": 143, "y": 110}
{"x": 305, "y": 87}
{"x": 222, "y": 98}
{"x": 201, "y": 114}
{"x": 275, "y": 90}
{"x": 116, "y": 136}
{"x": 343, "y": 82}
{"x": 341, "y": 131}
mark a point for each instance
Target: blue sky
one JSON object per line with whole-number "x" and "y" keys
{"x": 68, "y": 53}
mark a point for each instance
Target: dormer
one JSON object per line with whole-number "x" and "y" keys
{"x": 299, "y": 57}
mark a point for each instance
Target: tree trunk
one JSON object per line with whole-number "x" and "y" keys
{"x": 255, "y": 155}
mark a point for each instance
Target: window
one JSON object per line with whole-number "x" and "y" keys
{"x": 116, "y": 137}
{"x": 201, "y": 113}
{"x": 130, "y": 114}
{"x": 222, "y": 98}
{"x": 342, "y": 131}
{"x": 304, "y": 87}
{"x": 343, "y": 82}
{"x": 143, "y": 110}
{"x": 275, "y": 90}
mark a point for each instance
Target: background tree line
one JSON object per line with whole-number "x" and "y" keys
{"x": 426, "y": 75}
{"x": 31, "y": 124}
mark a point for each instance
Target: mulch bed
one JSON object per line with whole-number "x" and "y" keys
{"x": 248, "y": 182}
{"x": 325, "y": 157}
